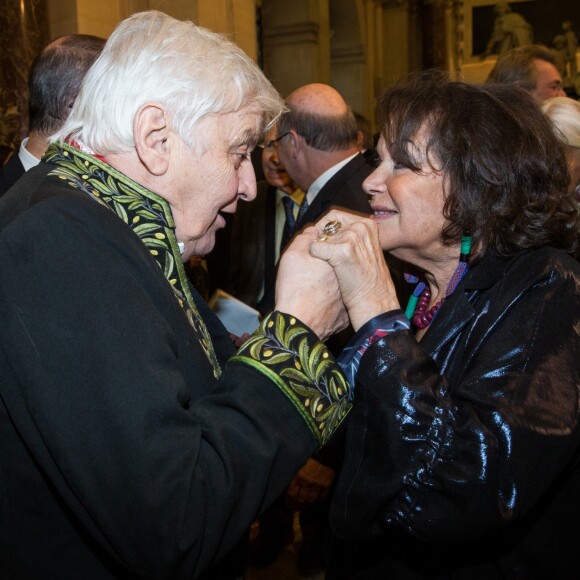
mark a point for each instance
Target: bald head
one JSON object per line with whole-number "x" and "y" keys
{"x": 319, "y": 130}
{"x": 318, "y": 99}
{"x": 320, "y": 115}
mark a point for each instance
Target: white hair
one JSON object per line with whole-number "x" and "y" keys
{"x": 565, "y": 116}
{"x": 151, "y": 57}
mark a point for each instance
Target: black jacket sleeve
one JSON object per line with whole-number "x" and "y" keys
{"x": 118, "y": 417}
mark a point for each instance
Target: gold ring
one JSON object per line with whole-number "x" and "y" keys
{"x": 330, "y": 228}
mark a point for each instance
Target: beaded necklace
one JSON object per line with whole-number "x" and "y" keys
{"x": 416, "y": 310}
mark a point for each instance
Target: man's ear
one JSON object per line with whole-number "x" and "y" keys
{"x": 296, "y": 143}
{"x": 151, "y": 132}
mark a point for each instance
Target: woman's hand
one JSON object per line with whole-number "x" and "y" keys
{"x": 356, "y": 255}
{"x": 307, "y": 288}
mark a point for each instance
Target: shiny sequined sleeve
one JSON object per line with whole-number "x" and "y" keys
{"x": 290, "y": 354}
{"x": 466, "y": 431}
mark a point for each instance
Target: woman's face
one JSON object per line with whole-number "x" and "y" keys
{"x": 408, "y": 207}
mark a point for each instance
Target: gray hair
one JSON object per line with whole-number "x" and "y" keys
{"x": 516, "y": 66}
{"x": 151, "y": 57}
{"x": 55, "y": 78}
{"x": 325, "y": 133}
{"x": 565, "y": 116}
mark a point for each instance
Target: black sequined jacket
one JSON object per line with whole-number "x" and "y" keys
{"x": 463, "y": 450}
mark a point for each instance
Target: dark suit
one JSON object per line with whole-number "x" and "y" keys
{"x": 252, "y": 246}
{"x": 11, "y": 173}
{"x": 343, "y": 189}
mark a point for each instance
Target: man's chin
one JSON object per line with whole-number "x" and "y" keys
{"x": 204, "y": 245}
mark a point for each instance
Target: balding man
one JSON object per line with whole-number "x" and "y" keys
{"x": 533, "y": 68}
{"x": 317, "y": 144}
{"x": 54, "y": 82}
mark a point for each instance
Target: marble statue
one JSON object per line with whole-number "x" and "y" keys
{"x": 510, "y": 30}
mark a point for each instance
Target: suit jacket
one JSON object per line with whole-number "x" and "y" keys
{"x": 123, "y": 454}
{"x": 463, "y": 450}
{"x": 10, "y": 173}
{"x": 343, "y": 189}
{"x": 251, "y": 246}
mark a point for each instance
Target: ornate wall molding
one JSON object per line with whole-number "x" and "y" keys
{"x": 348, "y": 55}
{"x": 300, "y": 33}
{"x": 395, "y": 4}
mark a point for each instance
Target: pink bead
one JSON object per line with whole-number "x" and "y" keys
{"x": 422, "y": 317}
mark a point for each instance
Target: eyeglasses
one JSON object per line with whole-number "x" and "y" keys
{"x": 272, "y": 144}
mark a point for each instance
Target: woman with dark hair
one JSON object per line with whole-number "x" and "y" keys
{"x": 463, "y": 447}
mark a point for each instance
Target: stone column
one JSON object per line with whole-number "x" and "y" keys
{"x": 295, "y": 42}
{"x": 25, "y": 31}
{"x": 402, "y": 40}
{"x": 440, "y": 36}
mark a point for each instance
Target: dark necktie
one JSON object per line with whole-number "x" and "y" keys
{"x": 302, "y": 209}
{"x": 290, "y": 223}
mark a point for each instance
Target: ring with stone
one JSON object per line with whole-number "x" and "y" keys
{"x": 330, "y": 228}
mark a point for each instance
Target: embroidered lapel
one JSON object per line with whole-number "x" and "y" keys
{"x": 146, "y": 213}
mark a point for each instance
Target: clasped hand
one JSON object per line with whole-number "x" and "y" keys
{"x": 307, "y": 288}
{"x": 317, "y": 280}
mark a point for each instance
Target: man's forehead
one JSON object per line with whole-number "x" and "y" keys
{"x": 547, "y": 69}
{"x": 243, "y": 128}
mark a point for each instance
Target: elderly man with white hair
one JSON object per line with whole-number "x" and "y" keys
{"x": 135, "y": 444}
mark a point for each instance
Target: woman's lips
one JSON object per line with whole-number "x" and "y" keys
{"x": 383, "y": 212}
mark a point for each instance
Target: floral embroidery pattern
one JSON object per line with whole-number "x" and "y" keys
{"x": 146, "y": 213}
{"x": 313, "y": 382}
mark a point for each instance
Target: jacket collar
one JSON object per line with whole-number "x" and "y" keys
{"x": 457, "y": 310}
{"x": 486, "y": 272}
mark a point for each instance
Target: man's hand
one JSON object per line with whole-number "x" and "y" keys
{"x": 307, "y": 288}
{"x": 356, "y": 255}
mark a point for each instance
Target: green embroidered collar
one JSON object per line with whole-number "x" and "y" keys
{"x": 147, "y": 214}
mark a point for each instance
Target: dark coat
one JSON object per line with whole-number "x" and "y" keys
{"x": 12, "y": 171}
{"x": 343, "y": 189}
{"x": 122, "y": 456}
{"x": 251, "y": 246}
{"x": 463, "y": 450}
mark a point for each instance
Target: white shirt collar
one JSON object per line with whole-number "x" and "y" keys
{"x": 27, "y": 159}
{"x": 323, "y": 179}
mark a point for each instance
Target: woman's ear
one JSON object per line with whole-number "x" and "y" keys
{"x": 152, "y": 132}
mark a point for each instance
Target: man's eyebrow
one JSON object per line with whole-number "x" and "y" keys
{"x": 246, "y": 137}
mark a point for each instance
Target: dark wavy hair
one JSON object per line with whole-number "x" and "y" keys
{"x": 505, "y": 171}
